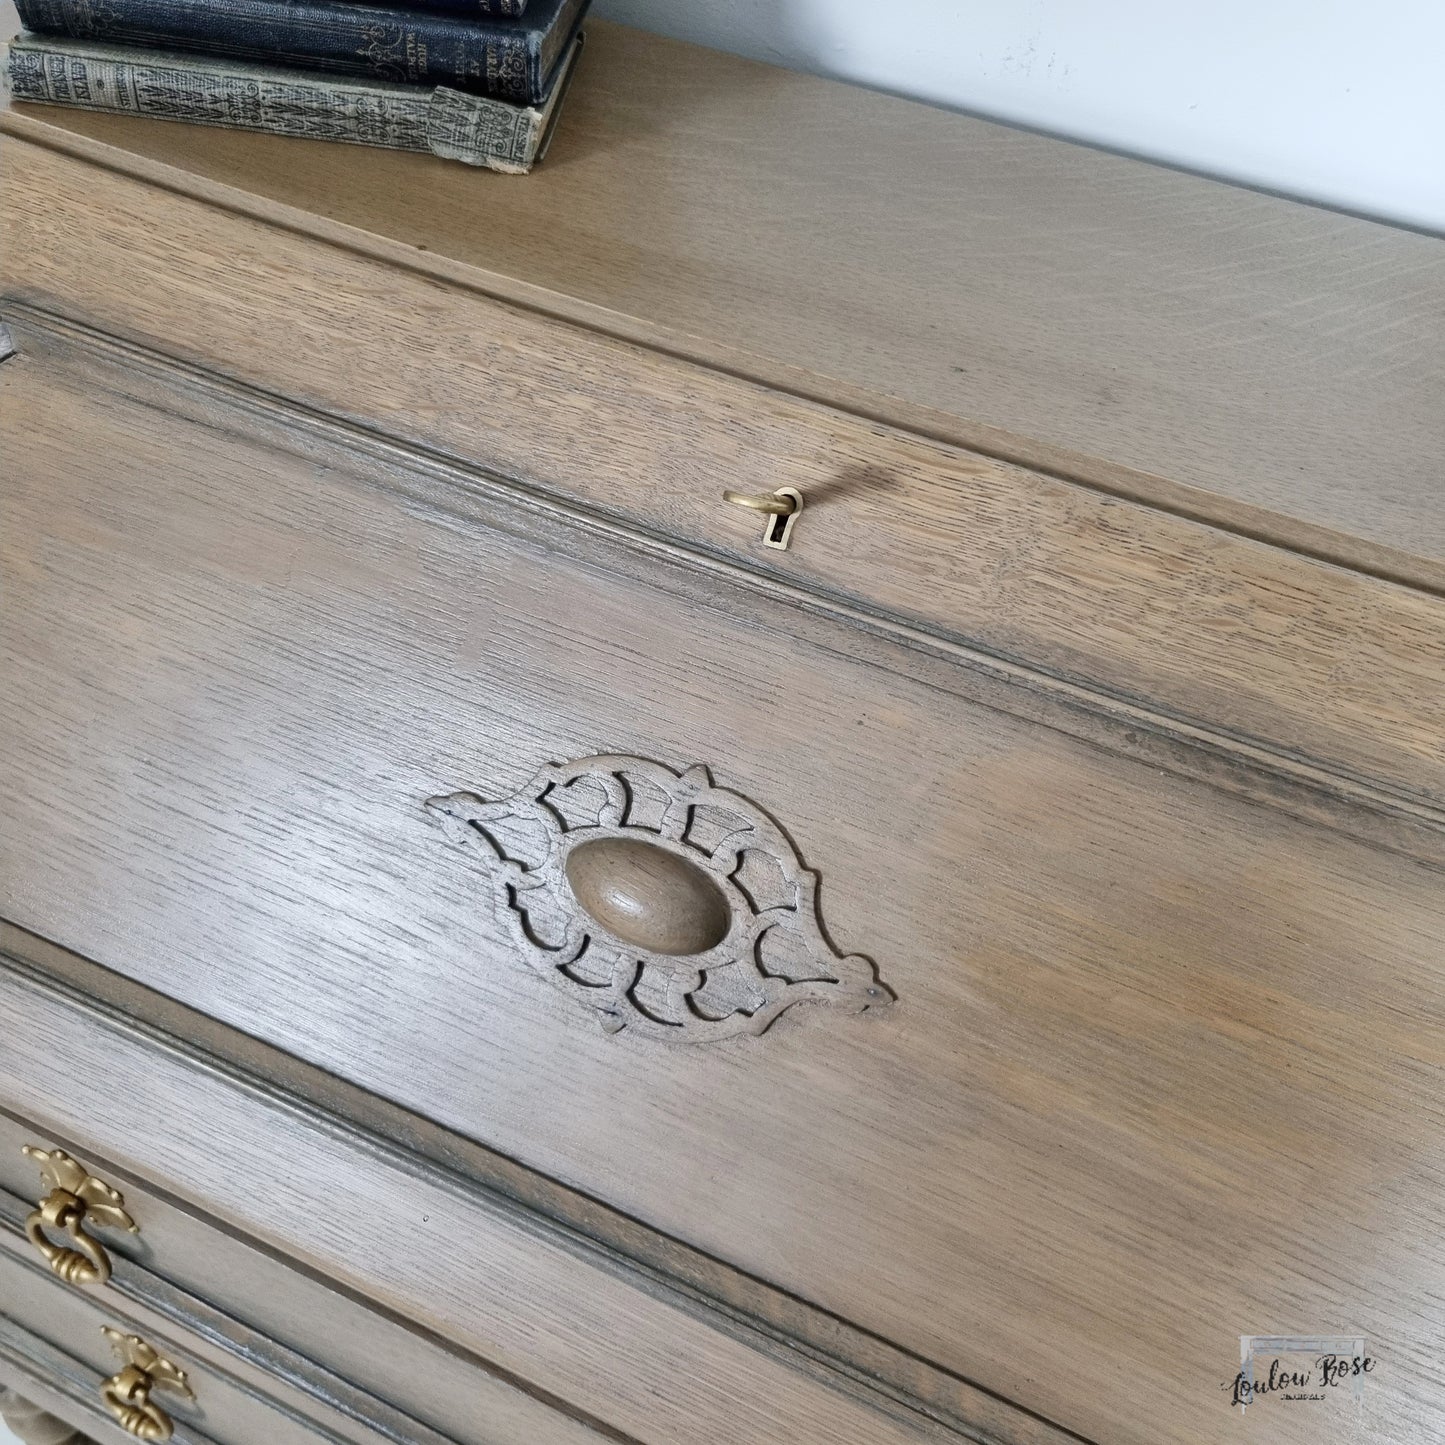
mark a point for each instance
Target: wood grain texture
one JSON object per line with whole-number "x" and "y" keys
{"x": 287, "y": 1335}
{"x": 419, "y": 1242}
{"x": 243, "y": 670}
{"x": 1271, "y": 365}
{"x": 746, "y": 1307}
{"x": 1316, "y": 663}
{"x": 1191, "y": 748}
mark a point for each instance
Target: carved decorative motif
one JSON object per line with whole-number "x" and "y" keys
{"x": 688, "y": 866}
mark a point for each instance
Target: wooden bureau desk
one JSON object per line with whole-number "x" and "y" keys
{"x": 1007, "y": 962}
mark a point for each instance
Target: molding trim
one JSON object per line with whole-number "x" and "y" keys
{"x": 1304, "y": 787}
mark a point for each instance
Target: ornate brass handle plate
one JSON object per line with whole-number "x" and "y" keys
{"x": 127, "y": 1394}
{"x": 75, "y": 1200}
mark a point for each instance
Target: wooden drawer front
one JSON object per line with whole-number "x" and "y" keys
{"x": 355, "y": 1373}
{"x": 557, "y": 1318}
{"x": 1175, "y": 623}
{"x": 54, "y": 1332}
{"x": 242, "y": 668}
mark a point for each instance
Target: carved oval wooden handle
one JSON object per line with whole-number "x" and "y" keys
{"x": 647, "y": 896}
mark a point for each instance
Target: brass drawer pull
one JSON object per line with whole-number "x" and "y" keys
{"x": 127, "y": 1395}
{"x": 75, "y": 1200}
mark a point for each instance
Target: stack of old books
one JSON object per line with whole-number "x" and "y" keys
{"x": 480, "y": 81}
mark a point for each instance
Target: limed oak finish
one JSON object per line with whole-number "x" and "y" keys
{"x": 540, "y": 965}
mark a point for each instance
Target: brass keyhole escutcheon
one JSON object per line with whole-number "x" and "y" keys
{"x": 75, "y": 1200}
{"x": 127, "y": 1394}
{"x": 781, "y": 508}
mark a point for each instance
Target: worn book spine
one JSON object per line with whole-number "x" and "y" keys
{"x": 513, "y": 59}
{"x": 479, "y": 130}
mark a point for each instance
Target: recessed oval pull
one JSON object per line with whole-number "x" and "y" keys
{"x": 648, "y": 896}
{"x": 668, "y": 906}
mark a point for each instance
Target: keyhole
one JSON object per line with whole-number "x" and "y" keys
{"x": 779, "y": 530}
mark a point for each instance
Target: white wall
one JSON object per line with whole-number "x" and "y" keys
{"x": 1340, "y": 101}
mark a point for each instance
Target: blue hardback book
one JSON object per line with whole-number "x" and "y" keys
{"x": 513, "y": 58}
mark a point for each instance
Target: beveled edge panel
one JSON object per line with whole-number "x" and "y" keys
{"x": 149, "y": 1306}
{"x": 1335, "y": 668}
{"x": 832, "y": 1371}
{"x": 476, "y": 497}
{"x": 812, "y": 383}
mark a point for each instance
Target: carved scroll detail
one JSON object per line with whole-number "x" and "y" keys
{"x": 772, "y": 955}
